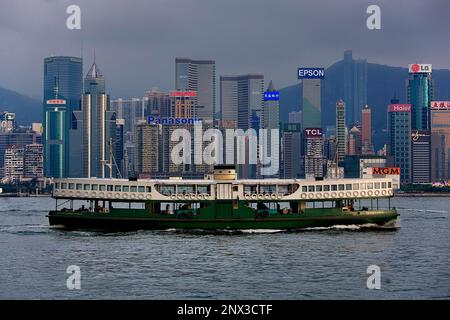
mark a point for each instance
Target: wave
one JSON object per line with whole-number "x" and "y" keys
{"x": 423, "y": 210}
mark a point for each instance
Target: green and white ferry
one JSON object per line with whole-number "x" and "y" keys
{"x": 220, "y": 201}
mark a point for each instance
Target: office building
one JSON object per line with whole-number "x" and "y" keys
{"x": 420, "y": 156}
{"x": 7, "y": 121}
{"x": 241, "y": 100}
{"x": 420, "y": 94}
{"x": 399, "y": 145}
{"x": 157, "y": 103}
{"x": 354, "y": 141}
{"x": 440, "y": 141}
{"x": 355, "y": 86}
{"x": 198, "y": 76}
{"x": 33, "y": 161}
{"x": 270, "y": 156}
{"x": 312, "y": 110}
{"x": 147, "y": 148}
{"x": 62, "y": 96}
{"x": 314, "y": 157}
{"x": 291, "y": 145}
{"x": 13, "y": 164}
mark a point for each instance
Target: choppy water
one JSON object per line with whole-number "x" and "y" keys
{"x": 318, "y": 263}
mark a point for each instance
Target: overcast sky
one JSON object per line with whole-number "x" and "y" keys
{"x": 136, "y": 41}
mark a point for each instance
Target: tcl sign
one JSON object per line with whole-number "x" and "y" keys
{"x": 420, "y": 68}
{"x": 313, "y": 132}
{"x": 384, "y": 171}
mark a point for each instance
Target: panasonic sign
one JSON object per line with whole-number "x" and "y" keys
{"x": 311, "y": 73}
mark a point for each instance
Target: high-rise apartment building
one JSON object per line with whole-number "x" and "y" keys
{"x": 314, "y": 158}
{"x": 341, "y": 135}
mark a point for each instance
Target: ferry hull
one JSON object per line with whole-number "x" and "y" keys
{"x": 80, "y": 220}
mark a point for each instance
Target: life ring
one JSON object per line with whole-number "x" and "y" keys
{"x": 141, "y": 196}
{"x": 377, "y": 192}
{"x": 254, "y": 196}
{"x": 311, "y": 195}
{"x": 303, "y": 196}
{"x": 267, "y": 196}
{"x": 363, "y": 193}
{"x": 355, "y": 193}
{"x": 149, "y": 196}
{"x": 326, "y": 195}
{"x": 279, "y": 196}
{"x": 261, "y": 196}
{"x": 348, "y": 194}
{"x": 333, "y": 195}
{"x": 132, "y": 196}
{"x": 319, "y": 195}
{"x": 117, "y": 196}
{"x": 101, "y": 194}
{"x": 369, "y": 193}
{"x": 187, "y": 197}
{"x": 94, "y": 194}
{"x": 125, "y": 196}
{"x": 384, "y": 192}
{"x": 341, "y": 194}
{"x": 179, "y": 196}
{"x": 246, "y": 196}
{"x": 273, "y": 196}
{"x": 173, "y": 196}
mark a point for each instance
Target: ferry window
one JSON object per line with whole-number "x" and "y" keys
{"x": 283, "y": 189}
{"x": 87, "y": 187}
{"x": 341, "y": 187}
{"x": 326, "y": 188}
{"x": 102, "y": 187}
{"x": 133, "y": 188}
{"x": 63, "y": 185}
{"x": 370, "y": 186}
{"x": 294, "y": 187}
{"x": 185, "y": 189}
{"x": 203, "y": 189}
{"x": 389, "y": 184}
{"x": 126, "y": 189}
{"x": 304, "y": 189}
{"x": 94, "y": 187}
{"x": 110, "y": 187}
{"x": 117, "y": 188}
{"x": 310, "y": 188}
{"x": 141, "y": 189}
{"x": 377, "y": 185}
{"x": 348, "y": 187}
{"x": 383, "y": 185}
{"x": 79, "y": 186}
{"x": 71, "y": 186}
{"x": 355, "y": 186}
{"x": 148, "y": 189}
{"x": 167, "y": 190}
{"x": 363, "y": 186}
{"x": 57, "y": 185}
{"x": 267, "y": 188}
{"x": 249, "y": 189}
{"x": 333, "y": 187}
{"x": 318, "y": 188}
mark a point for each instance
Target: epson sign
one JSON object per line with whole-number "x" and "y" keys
{"x": 311, "y": 73}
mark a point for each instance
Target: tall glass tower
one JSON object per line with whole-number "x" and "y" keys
{"x": 420, "y": 94}
{"x": 62, "y": 95}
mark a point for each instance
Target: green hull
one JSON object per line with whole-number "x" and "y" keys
{"x": 219, "y": 215}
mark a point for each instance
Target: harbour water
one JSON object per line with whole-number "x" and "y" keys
{"x": 323, "y": 263}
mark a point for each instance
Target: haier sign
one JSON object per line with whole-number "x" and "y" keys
{"x": 311, "y": 73}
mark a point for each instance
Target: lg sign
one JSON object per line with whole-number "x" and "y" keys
{"x": 420, "y": 68}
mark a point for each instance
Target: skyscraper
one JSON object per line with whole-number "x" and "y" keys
{"x": 241, "y": 99}
{"x": 341, "y": 138}
{"x": 199, "y": 76}
{"x": 366, "y": 131}
{"x": 271, "y": 121}
{"x": 420, "y": 94}
{"x": 440, "y": 140}
{"x": 292, "y": 167}
{"x": 354, "y": 141}
{"x": 147, "y": 148}
{"x": 355, "y": 86}
{"x": 314, "y": 158}
{"x": 312, "y": 111}
{"x": 399, "y": 146}
{"x": 62, "y": 96}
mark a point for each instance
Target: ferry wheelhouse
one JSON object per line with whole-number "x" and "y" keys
{"x": 220, "y": 201}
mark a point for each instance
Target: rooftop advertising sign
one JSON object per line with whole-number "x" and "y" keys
{"x": 172, "y": 121}
{"x": 420, "y": 68}
{"x": 271, "y": 96}
{"x": 399, "y": 108}
{"x": 183, "y": 94}
{"x": 384, "y": 171}
{"x": 311, "y": 73}
{"x": 56, "y": 101}
{"x": 313, "y": 132}
{"x": 440, "y": 105}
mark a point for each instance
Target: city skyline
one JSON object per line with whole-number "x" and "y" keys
{"x": 147, "y": 63}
